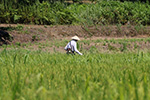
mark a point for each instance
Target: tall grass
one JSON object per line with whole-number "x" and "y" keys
{"x": 47, "y": 76}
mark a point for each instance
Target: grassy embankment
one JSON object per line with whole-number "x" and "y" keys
{"x": 86, "y": 45}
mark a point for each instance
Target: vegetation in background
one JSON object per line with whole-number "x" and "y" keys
{"x": 102, "y": 12}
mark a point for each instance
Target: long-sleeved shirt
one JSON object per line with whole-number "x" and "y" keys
{"x": 73, "y": 46}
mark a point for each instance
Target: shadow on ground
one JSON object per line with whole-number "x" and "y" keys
{"x": 5, "y": 37}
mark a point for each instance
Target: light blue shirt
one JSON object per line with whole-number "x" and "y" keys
{"x": 73, "y": 46}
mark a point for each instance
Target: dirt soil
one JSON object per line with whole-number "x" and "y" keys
{"x": 17, "y": 33}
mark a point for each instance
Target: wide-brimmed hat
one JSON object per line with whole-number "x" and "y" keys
{"x": 75, "y": 38}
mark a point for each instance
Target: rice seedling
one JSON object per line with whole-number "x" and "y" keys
{"x": 124, "y": 47}
{"x": 135, "y": 46}
{"x": 43, "y": 75}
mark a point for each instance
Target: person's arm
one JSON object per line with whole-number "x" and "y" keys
{"x": 66, "y": 46}
{"x": 75, "y": 49}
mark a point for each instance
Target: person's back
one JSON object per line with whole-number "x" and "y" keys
{"x": 71, "y": 47}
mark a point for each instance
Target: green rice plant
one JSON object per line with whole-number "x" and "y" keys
{"x": 135, "y": 46}
{"x": 86, "y": 42}
{"x": 145, "y": 87}
{"x": 1, "y": 77}
{"x": 28, "y": 74}
{"x": 60, "y": 76}
{"x": 14, "y": 60}
{"x": 98, "y": 41}
{"x": 124, "y": 47}
{"x": 93, "y": 49}
{"x": 26, "y": 58}
{"x": 148, "y": 40}
{"x": 16, "y": 89}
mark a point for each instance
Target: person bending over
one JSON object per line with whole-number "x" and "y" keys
{"x": 71, "y": 47}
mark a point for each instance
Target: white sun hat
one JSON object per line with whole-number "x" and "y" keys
{"x": 75, "y": 38}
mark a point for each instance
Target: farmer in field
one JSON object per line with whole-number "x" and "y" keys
{"x": 71, "y": 47}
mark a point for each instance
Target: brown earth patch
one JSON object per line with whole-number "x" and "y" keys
{"x": 22, "y": 34}
{"x": 31, "y": 33}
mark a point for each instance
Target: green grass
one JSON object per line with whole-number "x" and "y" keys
{"x": 85, "y": 45}
{"x": 36, "y": 75}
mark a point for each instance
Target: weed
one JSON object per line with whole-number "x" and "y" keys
{"x": 98, "y": 41}
{"x": 54, "y": 49}
{"x": 124, "y": 47}
{"x": 18, "y": 43}
{"x": 19, "y": 27}
{"x": 129, "y": 25}
{"x": 35, "y": 37}
{"x": 108, "y": 31}
{"x": 148, "y": 40}
{"x": 104, "y": 44}
{"x": 112, "y": 41}
{"x": 111, "y": 48}
{"x": 23, "y": 44}
{"x": 107, "y": 41}
{"x": 39, "y": 47}
{"x": 119, "y": 29}
{"x": 135, "y": 46}
{"x": 85, "y": 37}
{"x": 41, "y": 30}
{"x": 45, "y": 26}
{"x": 137, "y": 28}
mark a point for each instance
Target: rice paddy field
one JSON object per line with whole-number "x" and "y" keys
{"x": 27, "y": 74}
{"x": 34, "y": 66}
